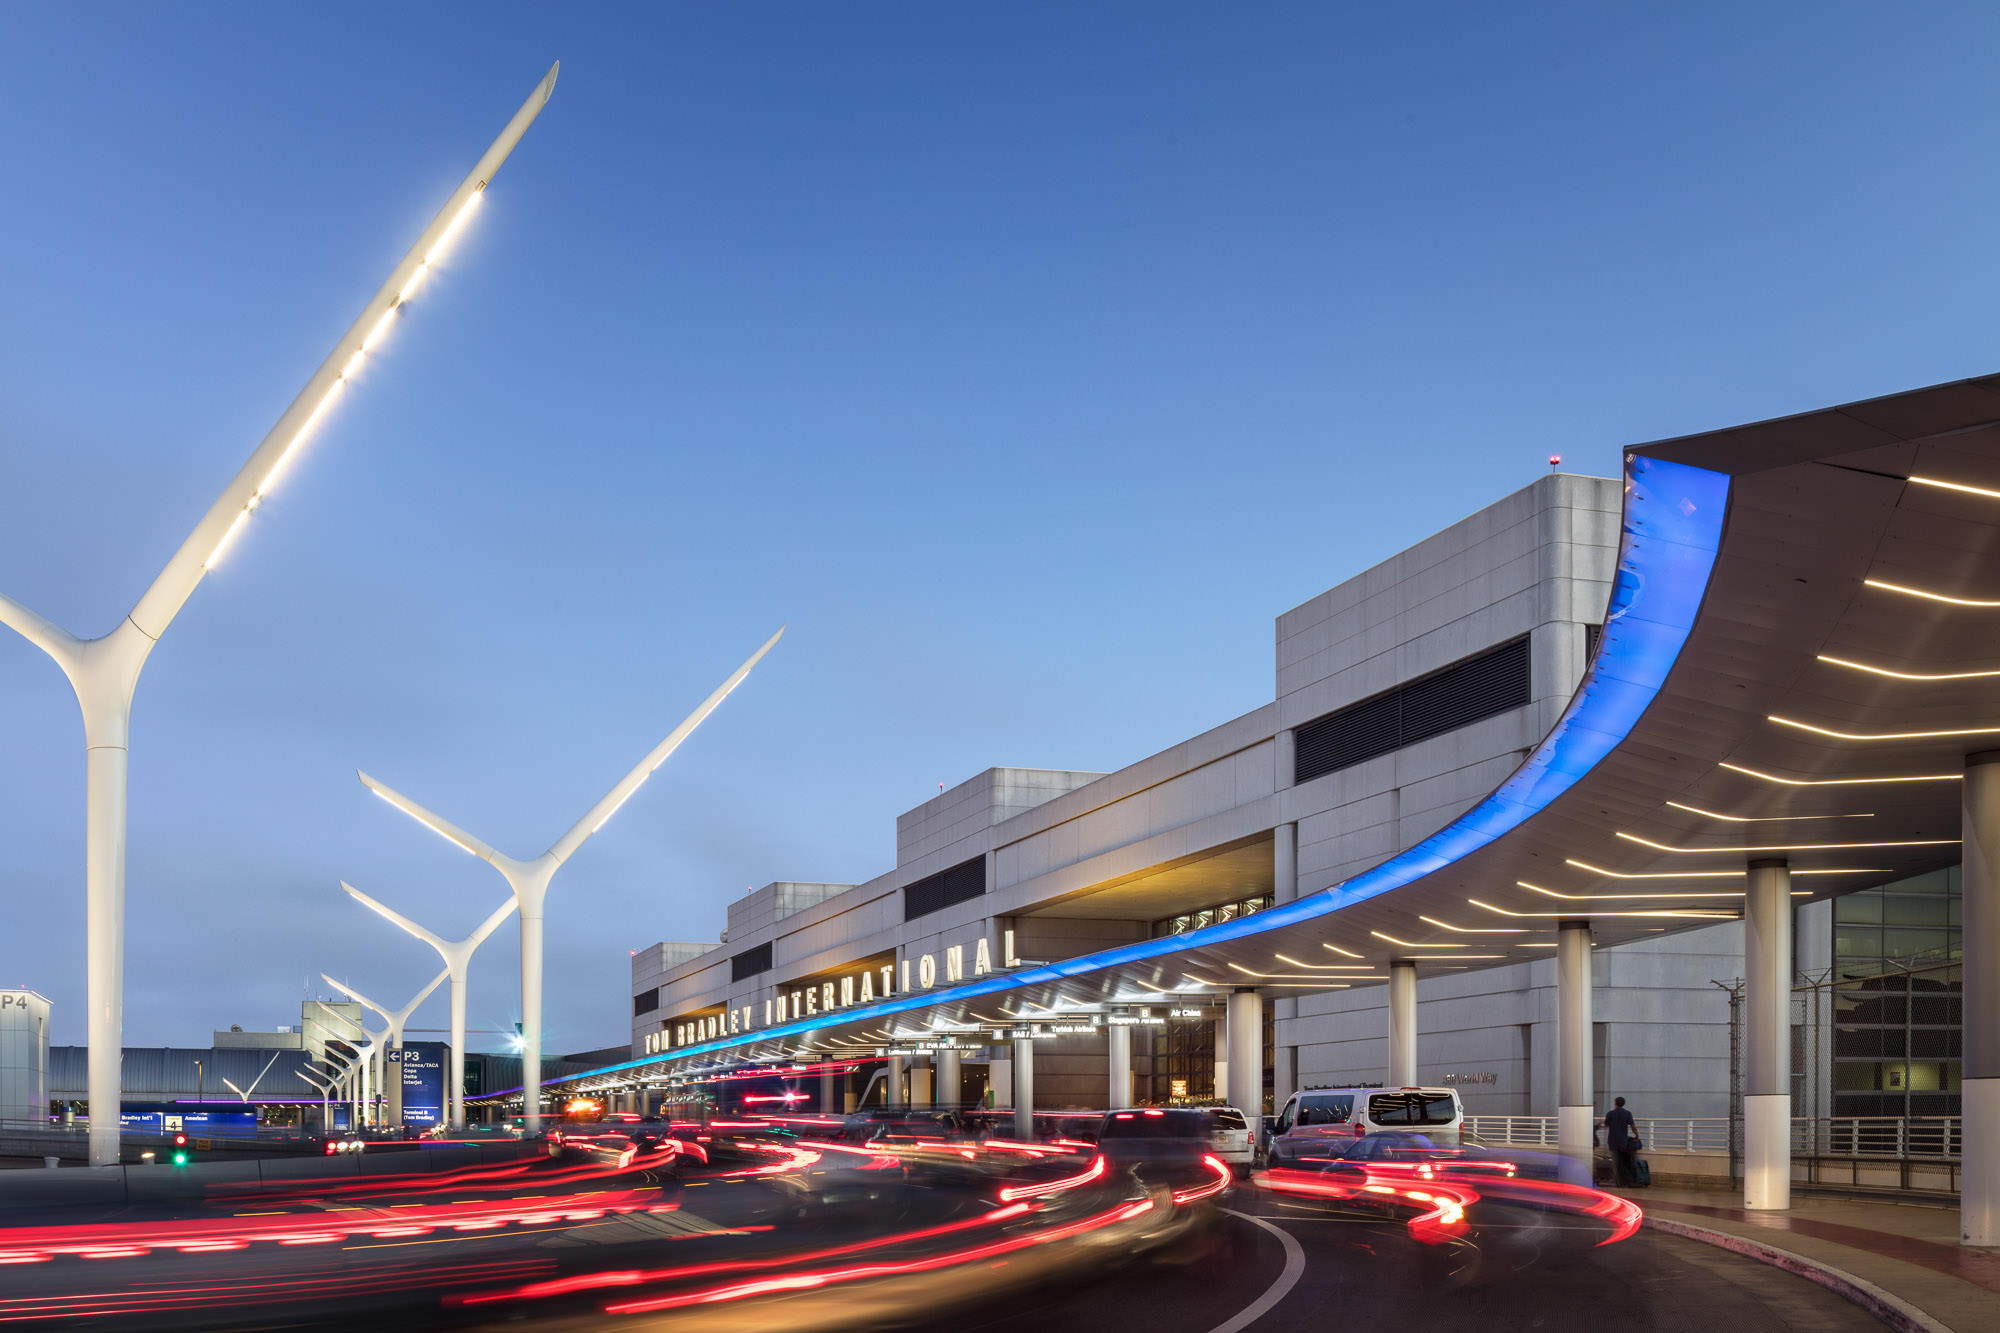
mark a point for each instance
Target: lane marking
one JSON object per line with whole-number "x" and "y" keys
{"x": 1295, "y": 1267}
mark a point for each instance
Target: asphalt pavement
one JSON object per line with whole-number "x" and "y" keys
{"x": 1348, "y": 1272}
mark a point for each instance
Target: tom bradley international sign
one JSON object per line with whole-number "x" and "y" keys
{"x": 917, "y": 972}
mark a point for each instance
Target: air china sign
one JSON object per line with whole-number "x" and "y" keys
{"x": 915, "y": 973}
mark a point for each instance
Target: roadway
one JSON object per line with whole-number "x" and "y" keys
{"x": 1244, "y": 1278}
{"x": 556, "y": 1244}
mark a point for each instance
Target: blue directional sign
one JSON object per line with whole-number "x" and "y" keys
{"x": 423, "y": 1082}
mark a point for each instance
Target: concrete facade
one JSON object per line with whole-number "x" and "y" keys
{"x": 1073, "y": 862}
{"x": 24, "y": 1056}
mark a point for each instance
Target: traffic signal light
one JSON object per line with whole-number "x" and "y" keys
{"x": 179, "y": 1155}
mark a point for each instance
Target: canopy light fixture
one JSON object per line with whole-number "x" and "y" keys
{"x": 1882, "y": 735}
{"x": 1475, "y": 930}
{"x": 1661, "y": 912}
{"x": 1930, "y": 596}
{"x": 1710, "y": 874}
{"x": 1907, "y": 675}
{"x": 1959, "y": 486}
{"x": 1408, "y": 944}
{"x": 1789, "y": 846}
{"x": 1758, "y": 819}
{"x": 1839, "y": 782}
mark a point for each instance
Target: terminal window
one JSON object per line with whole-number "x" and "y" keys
{"x": 1897, "y": 998}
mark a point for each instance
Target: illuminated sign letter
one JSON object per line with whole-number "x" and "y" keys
{"x": 1013, "y": 959}
{"x": 926, "y": 971}
{"x": 904, "y": 977}
{"x": 826, "y": 996}
{"x": 982, "y": 958}
{"x": 867, "y": 987}
{"x": 954, "y": 963}
{"x": 812, "y": 999}
{"x": 767, "y": 1013}
{"x": 732, "y": 1022}
{"x": 847, "y": 991}
{"x": 795, "y": 1004}
{"x": 888, "y": 980}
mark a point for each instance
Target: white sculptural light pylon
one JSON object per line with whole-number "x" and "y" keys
{"x": 104, "y": 671}
{"x": 367, "y": 1053}
{"x": 530, "y": 879}
{"x": 392, "y": 1079}
{"x": 457, "y": 955}
{"x": 243, "y": 1095}
{"x": 325, "y": 1086}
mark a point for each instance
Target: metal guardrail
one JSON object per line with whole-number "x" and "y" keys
{"x": 1887, "y": 1138}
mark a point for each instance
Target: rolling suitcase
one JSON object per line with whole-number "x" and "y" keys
{"x": 1642, "y": 1174}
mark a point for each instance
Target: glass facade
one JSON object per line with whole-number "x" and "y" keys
{"x": 1898, "y": 1000}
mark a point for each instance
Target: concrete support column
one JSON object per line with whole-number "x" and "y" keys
{"x": 1767, "y": 1037}
{"x": 1245, "y": 1016}
{"x": 1576, "y": 1099}
{"x": 1024, "y": 1088}
{"x": 1402, "y": 1024}
{"x": 1284, "y": 1068}
{"x": 1118, "y": 1079}
{"x": 950, "y": 1089}
{"x": 1285, "y": 863}
{"x": 920, "y": 1082}
{"x": 832, "y": 1093}
{"x": 893, "y": 1090}
{"x": 1979, "y": 1101}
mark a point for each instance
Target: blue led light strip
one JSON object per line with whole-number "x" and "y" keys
{"x": 1672, "y": 530}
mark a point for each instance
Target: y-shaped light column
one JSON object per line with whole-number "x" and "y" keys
{"x": 392, "y": 1079}
{"x": 325, "y": 1086}
{"x": 105, "y": 671}
{"x": 530, "y": 879}
{"x": 367, "y": 1054}
{"x": 457, "y": 955}
{"x": 243, "y": 1096}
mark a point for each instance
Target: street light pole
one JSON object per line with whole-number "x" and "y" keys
{"x": 457, "y": 955}
{"x": 529, "y": 880}
{"x": 397, "y": 1019}
{"x": 104, "y": 671}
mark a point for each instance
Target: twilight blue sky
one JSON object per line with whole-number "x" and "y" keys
{"x": 1027, "y": 360}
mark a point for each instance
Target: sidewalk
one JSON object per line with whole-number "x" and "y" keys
{"x": 1908, "y": 1251}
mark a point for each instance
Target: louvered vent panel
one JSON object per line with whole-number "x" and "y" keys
{"x": 1493, "y": 682}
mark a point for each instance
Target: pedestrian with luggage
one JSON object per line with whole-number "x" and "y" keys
{"x": 1622, "y": 1135}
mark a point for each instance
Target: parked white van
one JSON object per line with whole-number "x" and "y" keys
{"x": 1321, "y": 1122}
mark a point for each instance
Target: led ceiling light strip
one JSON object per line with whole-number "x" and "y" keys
{"x": 1711, "y": 874}
{"x": 1475, "y": 930}
{"x": 1293, "y": 976}
{"x": 1883, "y": 735}
{"x": 1408, "y": 944}
{"x": 1838, "y": 782}
{"x": 1928, "y": 596}
{"x": 1788, "y": 846}
{"x": 1907, "y": 675}
{"x": 1321, "y": 967}
{"x": 1662, "y": 912}
{"x": 1758, "y": 819}
{"x": 1624, "y": 897}
{"x": 1960, "y": 486}
{"x": 1337, "y": 949}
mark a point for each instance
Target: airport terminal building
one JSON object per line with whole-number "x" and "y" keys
{"x": 1651, "y": 787}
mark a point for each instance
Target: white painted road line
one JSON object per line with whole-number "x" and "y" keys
{"x": 1295, "y": 1267}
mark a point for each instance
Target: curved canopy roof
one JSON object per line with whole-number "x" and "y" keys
{"x": 1799, "y": 654}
